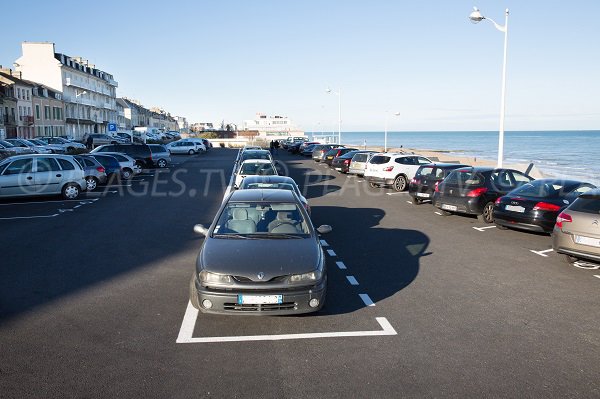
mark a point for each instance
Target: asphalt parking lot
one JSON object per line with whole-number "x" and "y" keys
{"x": 94, "y": 300}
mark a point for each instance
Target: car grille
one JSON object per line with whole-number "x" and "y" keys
{"x": 259, "y": 308}
{"x": 243, "y": 279}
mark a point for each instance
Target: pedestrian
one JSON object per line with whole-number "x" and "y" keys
{"x": 89, "y": 142}
{"x": 276, "y": 146}
{"x": 271, "y": 146}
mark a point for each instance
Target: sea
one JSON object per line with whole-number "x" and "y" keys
{"x": 571, "y": 154}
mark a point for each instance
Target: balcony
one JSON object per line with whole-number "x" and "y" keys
{"x": 27, "y": 119}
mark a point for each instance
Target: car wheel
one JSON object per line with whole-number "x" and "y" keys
{"x": 70, "y": 149}
{"x": 161, "y": 163}
{"x": 400, "y": 183}
{"x": 487, "y": 216}
{"x": 193, "y": 293}
{"x": 127, "y": 173}
{"x": 374, "y": 185}
{"x": 91, "y": 183}
{"x": 191, "y": 152}
{"x": 416, "y": 201}
{"x": 70, "y": 191}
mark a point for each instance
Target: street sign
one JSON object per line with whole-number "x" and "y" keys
{"x": 112, "y": 127}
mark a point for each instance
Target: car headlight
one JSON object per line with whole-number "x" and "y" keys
{"x": 214, "y": 278}
{"x": 315, "y": 275}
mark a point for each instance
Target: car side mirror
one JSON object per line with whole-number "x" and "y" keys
{"x": 200, "y": 230}
{"x": 324, "y": 229}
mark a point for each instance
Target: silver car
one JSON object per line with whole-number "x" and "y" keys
{"x": 577, "y": 230}
{"x": 68, "y": 146}
{"x": 260, "y": 256}
{"x": 29, "y": 145}
{"x": 27, "y": 175}
{"x": 94, "y": 172}
{"x": 127, "y": 163}
{"x": 161, "y": 157}
{"x": 359, "y": 161}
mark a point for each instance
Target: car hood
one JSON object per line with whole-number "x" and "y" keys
{"x": 247, "y": 258}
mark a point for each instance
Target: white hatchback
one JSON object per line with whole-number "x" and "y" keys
{"x": 254, "y": 167}
{"x": 393, "y": 169}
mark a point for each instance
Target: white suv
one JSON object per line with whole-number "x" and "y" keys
{"x": 393, "y": 169}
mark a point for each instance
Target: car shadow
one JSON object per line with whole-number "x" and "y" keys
{"x": 383, "y": 260}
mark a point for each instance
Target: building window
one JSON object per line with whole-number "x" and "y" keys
{"x": 46, "y": 112}
{"x": 29, "y": 111}
{"x": 37, "y": 111}
{"x": 27, "y": 92}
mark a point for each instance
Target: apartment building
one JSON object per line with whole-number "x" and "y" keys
{"x": 89, "y": 93}
{"x": 8, "y": 111}
{"x": 182, "y": 124}
{"x": 22, "y": 90}
{"x": 48, "y": 111}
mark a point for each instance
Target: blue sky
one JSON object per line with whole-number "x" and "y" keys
{"x": 227, "y": 60}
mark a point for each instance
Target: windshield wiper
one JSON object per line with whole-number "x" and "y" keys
{"x": 233, "y": 236}
{"x": 278, "y": 235}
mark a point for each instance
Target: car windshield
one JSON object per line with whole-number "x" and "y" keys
{"x": 256, "y": 219}
{"x": 278, "y": 186}
{"x": 6, "y": 144}
{"x": 255, "y": 155}
{"x": 541, "y": 189}
{"x": 36, "y": 142}
{"x": 258, "y": 168}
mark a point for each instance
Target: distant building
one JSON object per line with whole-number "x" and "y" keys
{"x": 88, "y": 92}
{"x": 22, "y": 91}
{"x": 48, "y": 111}
{"x": 272, "y": 127}
{"x": 8, "y": 111}
{"x": 182, "y": 124}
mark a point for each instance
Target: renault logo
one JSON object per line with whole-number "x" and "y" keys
{"x": 260, "y": 275}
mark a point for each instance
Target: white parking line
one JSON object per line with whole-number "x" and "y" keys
{"x": 541, "y": 253}
{"x": 400, "y": 193}
{"x": 45, "y": 202}
{"x": 409, "y": 202}
{"x": 484, "y": 228}
{"x": 438, "y": 213}
{"x": 352, "y": 280}
{"x": 586, "y": 265}
{"x": 331, "y": 252}
{"x": 341, "y": 265}
{"x": 366, "y": 299}
{"x": 324, "y": 243}
{"x": 597, "y": 275}
{"x": 191, "y": 315}
{"x": 101, "y": 193}
{"x": 29, "y": 217}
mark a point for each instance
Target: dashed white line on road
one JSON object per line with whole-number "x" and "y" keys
{"x": 366, "y": 299}
{"x": 484, "y": 228}
{"x": 597, "y": 275}
{"x": 409, "y": 202}
{"x": 30, "y": 217}
{"x": 46, "y": 202}
{"x": 541, "y": 253}
{"x": 191, "y": 314}
{"x": 76, "y": 206}
{"x": 324, "y": 243}
{"x": 400, "y": 193}
{"x": 331, "y": 252}
{"x": 438, "y": 213}
{"x": 352, "y": 280}
{"x": 341, "y": 265}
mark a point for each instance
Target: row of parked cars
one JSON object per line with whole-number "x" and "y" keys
{"x": 265, "y": 219}
{"x": 39, "y": 145}
{"x": 567, "y": 209}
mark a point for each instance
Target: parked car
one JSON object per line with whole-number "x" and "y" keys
{"x": 334, "y": 153}
{"x": 576, "y": 233}
{"x": 184, "y": 147}
{"x": 251, "y": 167}
{"x": 262, "y": 256}
{"x": 160, "y": 155}
{"x": 101, "y": 139}
{"x": 308, "y": 150}
{"x": 199, "y": 141}
{"x": 140, "y": 152}
{"x": 534, "y": 206}
{"x": 127, "y": 164}
{"x": 54, "y": 149}
{"x": 393, "y": 169}
{"x": 255, "y": 154}
{"x": 111, "y": 165}
{"x": 305, "y": 145}
{"x": 474, "y": 190}
{"x": 94, "y": 172}
{"x": 320, "y": 149}
{"x": 33, "y": 148}
{"x": 427, "y": 177}
{"x": 43, "y": 174}
{"x": 342, "y": 163}
{"x": 68, "y": 146}
{"x": 274, "y": 182}
{"x": 8, "y": 149}
{"x": 358, "y": 163}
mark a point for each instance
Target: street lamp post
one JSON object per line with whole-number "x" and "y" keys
{"x": 386, "y": 129}
{"x": 476, "y": 17}
{"x": 339, "y": 94}
{"x": 78, "y": 107}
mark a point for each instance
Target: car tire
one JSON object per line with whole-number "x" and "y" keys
{"x": 161, "y": 163}
{"x": 487, "y": 215}
{"x": 71, "y": 191}
{"x": 191, "y": 152}
{"x": 400, "y": 183}
{"x": 193, "y": 293}
{"x": 127, "y": 174}
{"x": 416, "y": 201}
{"x": 91, "y": 183}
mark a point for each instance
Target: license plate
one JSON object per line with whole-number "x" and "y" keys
{"x": 514, "y": 208}
{"x": 423, "y": 195}
{"x": 338, "y": 168}
{"x": 259, "y": 299}
{"x": 592, "y": 242}
{"x": 449, "y": 207}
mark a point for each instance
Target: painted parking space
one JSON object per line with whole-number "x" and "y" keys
{"x": 40, "y": 209}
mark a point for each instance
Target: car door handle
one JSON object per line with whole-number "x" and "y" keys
{"x": 29, "y": 178}
{"x": 59, "y": 175}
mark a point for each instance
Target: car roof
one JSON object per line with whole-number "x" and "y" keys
{"x": 263, "y": 195}
{"x": 268, "y": 179}
{"x": 257, "y": 161}
{"x": 447, "y": 165}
